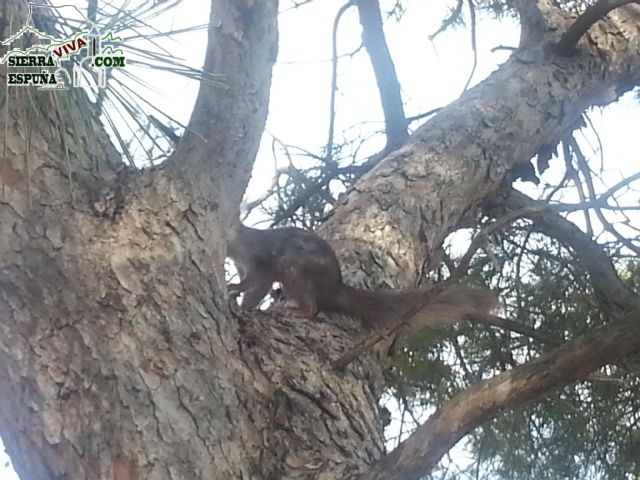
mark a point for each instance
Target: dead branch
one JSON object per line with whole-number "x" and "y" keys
{"x": 474, "y": 45}
{"x": 453, "y": 17}
{"x": 572, "y": 174}
{"x": 422, "y": 115}
{"x": 500, "y": 223}
{"x": 518, "y": 328}
{"x": 334, "y": 78}
{"x": 583, "y": 166}
{"x": 621, "y": 184}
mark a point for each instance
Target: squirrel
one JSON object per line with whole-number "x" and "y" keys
{"x": 309, "y": 272}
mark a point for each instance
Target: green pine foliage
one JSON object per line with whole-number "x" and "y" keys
{"x": 590, "y": 430}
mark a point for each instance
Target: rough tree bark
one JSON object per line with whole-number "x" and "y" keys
{"x": 121, "y": 356}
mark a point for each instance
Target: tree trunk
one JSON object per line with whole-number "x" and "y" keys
{"x": 121, "y": 356}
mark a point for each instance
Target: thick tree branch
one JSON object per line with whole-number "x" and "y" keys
{"x": 584, "y": 22}
{"x": 220, "y": 144}
{"x": 411, "y": 201}
{"x": 537, "y": 18}
{"x": 385, "y": 72}
{"x": 513, "y": 389}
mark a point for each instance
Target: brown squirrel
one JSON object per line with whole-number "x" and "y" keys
{"x": 309, "y": 272}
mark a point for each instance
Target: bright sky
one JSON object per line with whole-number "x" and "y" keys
{"x": 432, "y": 74}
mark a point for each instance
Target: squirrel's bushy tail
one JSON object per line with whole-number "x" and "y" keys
{"x": 385, "y": 308}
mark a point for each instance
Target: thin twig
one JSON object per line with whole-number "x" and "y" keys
{"x": 619, "y": 185}
{"x": 518, "y": 328}
{"x": 598, "y": 139}
{"x": 571, "y": 171}
{"x": 420, "y": 116}
{"x": 586, "y": 172}
{"x": 453, "y": 17}
{"x": 334, "y": 78}
{"x": 481, "y": 237}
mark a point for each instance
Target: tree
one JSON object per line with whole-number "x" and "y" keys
{"x": 122, "y": 356}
